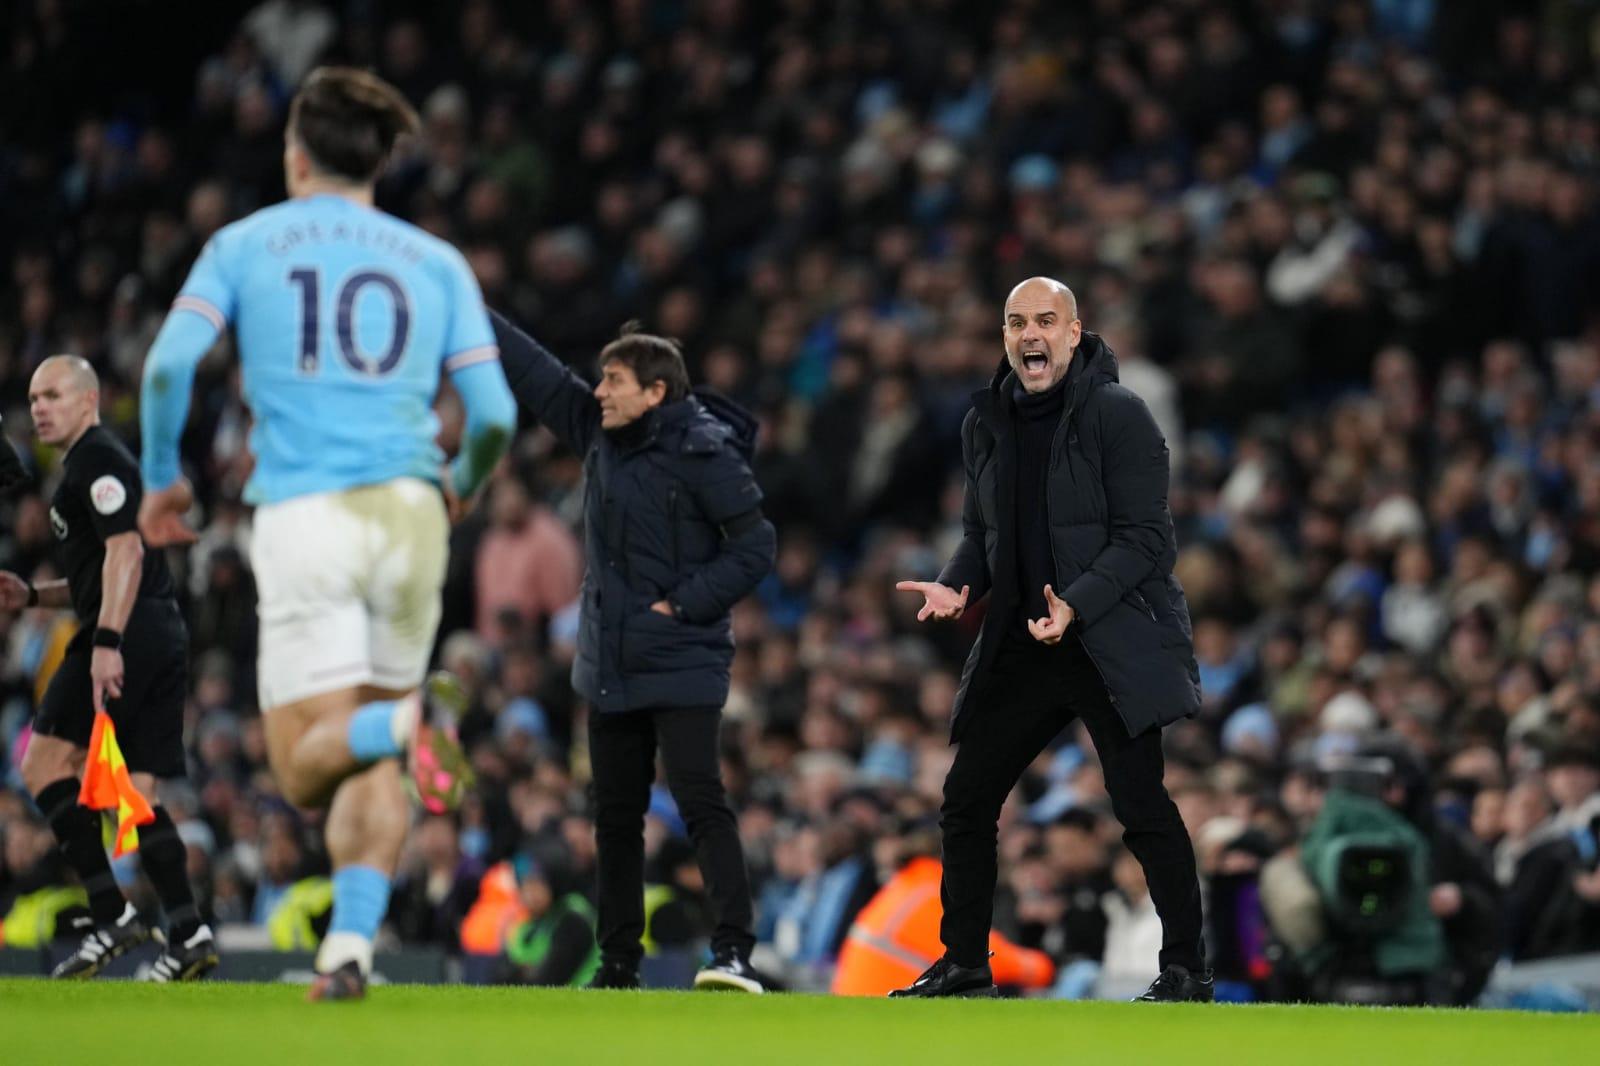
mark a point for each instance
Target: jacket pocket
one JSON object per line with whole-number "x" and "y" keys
{"x": 654, "y": 643}
{"x": 1160, "y": 614}
{"x": 1176, "y": 629}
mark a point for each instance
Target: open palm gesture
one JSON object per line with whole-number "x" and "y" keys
{"x": 938, "y": 601}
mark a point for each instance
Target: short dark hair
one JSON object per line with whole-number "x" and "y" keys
{"x": 651, "y": 358}
{"x": 348, "y": 121}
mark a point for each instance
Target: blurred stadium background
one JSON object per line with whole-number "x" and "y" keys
{"x": 1348, "y": 251}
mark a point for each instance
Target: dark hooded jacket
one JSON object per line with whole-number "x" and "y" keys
{"x": 671, "y": 512}
{"x": 1111, "y": 540}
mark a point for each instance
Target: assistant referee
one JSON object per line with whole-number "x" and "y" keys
{"x": 129, "y": 658}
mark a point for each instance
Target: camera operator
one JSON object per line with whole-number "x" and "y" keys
{"x": 1383, "y": 901}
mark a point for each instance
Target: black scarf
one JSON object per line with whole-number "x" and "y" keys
{"x": 1037, "y": 416}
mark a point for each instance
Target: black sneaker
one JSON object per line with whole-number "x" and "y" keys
{"x": 614, "y": 975}
{"x": 188, "y": 961}
{"x": 102, "y": 945}
{"x": 1178, "y": 985}
{"x": 945, "y": 978}
{"x": 729, "y": 971}
{"x": 347, "y": 982}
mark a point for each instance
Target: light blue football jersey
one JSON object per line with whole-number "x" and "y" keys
{"x": 345, "y": 317}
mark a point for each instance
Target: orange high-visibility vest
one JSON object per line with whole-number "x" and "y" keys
{"x": 896, "y": 937}
{"x": 493, "y": 913}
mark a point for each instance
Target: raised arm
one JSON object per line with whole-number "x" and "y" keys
{"x": 543, "y": 385}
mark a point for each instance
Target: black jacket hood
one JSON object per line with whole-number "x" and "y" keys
{"x": 736, "y": 418}
{"x": 703, "y": 417}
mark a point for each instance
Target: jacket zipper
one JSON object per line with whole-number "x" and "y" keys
{"x": 1056, "y": 562}
{"x": 672, "y": 522}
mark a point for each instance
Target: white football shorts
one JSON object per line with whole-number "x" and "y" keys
{"x": 349, "y": 585}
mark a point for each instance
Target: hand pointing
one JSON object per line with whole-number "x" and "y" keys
{"x": 1053, "y": 626}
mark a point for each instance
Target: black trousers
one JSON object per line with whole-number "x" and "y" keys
{"x": 622, "y": 754}
{"x": 1034, "y": 692}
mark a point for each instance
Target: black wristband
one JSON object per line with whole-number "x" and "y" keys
{"x": 107, "y": 638}
{"x": 33, "y": 595}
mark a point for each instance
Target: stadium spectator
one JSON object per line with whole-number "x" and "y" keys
{"x": 529, "y": 564}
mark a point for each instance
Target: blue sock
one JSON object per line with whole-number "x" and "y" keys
{"x": 371, "y": 733}
{"x": 360, "y": 900}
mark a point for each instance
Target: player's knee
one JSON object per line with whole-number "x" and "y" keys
{"x": 302, "y": 789}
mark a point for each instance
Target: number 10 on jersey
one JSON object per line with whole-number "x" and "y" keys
{"x": 309, "y": 281}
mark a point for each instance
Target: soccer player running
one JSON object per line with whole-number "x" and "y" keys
{"x": 344, "y": 319}
{"x": 129, "y": 659}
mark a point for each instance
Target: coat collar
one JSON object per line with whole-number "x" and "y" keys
{"x": 698, "y": 422}
{"x": 664, "y": 420}
{"x": 1093, "y": 365}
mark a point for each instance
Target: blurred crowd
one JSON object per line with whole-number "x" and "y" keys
{"x": 1349, "y": 253}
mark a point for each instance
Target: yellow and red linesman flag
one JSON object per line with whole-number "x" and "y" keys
{"x": 108, "y": 786}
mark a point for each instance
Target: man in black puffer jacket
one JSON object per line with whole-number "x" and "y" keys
{"x": 1066, "y": 529}
{"x": 673, "y": 538}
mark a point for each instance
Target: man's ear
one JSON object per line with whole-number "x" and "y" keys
{"x": 656, "y": 394}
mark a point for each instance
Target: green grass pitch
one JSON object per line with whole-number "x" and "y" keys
{"x": 122, "y": 1024}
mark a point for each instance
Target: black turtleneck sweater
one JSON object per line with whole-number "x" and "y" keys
{"x": 1038, "y": 415}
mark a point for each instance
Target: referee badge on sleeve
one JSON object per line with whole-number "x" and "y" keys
{"x": 108, "y": 494}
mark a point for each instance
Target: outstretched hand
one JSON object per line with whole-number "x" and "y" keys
{"x": 938, "y": 601}
{"x": 13, "y": 592}
{"x": 1053, "y": 626}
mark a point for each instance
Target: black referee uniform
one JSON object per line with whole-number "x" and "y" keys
{"x": 98, "y": 498}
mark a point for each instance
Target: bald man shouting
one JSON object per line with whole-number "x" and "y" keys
{"x": 1066, "y": 529}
